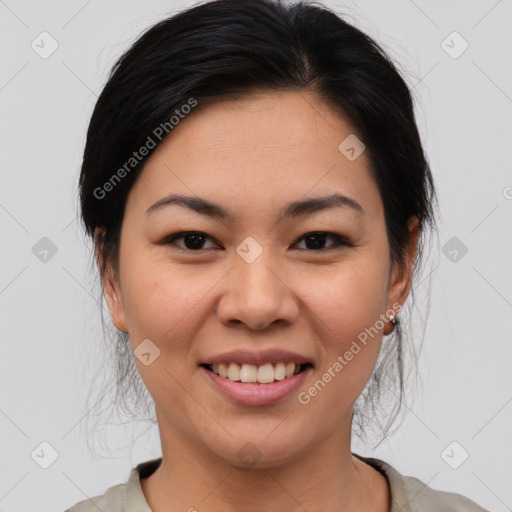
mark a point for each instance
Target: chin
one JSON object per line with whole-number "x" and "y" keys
{"x": 259, "y": 451}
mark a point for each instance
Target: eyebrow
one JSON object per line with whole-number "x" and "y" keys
{"x": 291, "y": 210}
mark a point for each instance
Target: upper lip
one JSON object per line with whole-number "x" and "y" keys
{"x": 258, "y": 358}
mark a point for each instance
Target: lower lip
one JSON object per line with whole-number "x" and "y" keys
{"x": 257, "y": 394}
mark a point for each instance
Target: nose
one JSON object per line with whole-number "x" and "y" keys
{"x": 257, "y": 295}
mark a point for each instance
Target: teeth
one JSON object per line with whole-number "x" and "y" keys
{"x": 248, "y": 373}
{"x": 263, "y": 374}
{"x": 280, "y": 371}
{"x": 223, "y": 370}
{"x": 233, "y": 371}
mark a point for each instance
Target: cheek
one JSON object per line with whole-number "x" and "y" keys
{"x": 348, "y": 299}
{"x": 346, "y": 307}
{"x": 165, "y": 303}
{"x": 165, "y": 306}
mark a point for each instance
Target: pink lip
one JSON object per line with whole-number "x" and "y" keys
{"x": 256, "y": 394}
{"x": 258, "y": 358}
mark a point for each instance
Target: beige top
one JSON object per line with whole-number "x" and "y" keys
{"x": 408, "y": 494}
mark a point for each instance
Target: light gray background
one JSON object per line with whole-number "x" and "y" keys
{"x": 49, "y": 326}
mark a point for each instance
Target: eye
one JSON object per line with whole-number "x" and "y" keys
{"x": 193, "y": 240}
{"x": 317, "y": 239}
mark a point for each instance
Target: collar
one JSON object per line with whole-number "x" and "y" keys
{"x": 136, "y": 501}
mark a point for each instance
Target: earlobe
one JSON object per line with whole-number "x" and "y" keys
{"x": 111, "y": 290}
{"x": 392, "y": 319}
{"x": 402, "y": 275}
{"x": 115, "y": 305}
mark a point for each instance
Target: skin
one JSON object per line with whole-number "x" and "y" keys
{"x": 195, "y": 304}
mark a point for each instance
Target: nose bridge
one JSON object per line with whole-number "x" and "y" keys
{"x": 256, "y": 295}
{"x": 256, "y": 283}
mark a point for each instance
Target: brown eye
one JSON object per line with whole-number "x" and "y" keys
{"x": 315, "y": 241}
{"x": 192, "y": 240}
{"x": 195, "y": 240}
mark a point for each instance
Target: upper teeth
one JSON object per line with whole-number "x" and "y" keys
{"x": 251, "y": 373}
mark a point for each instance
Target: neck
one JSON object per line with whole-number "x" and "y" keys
{"x": 328, "y": 478}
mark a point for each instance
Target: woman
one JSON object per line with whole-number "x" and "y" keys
{"x": 256, "y": 259}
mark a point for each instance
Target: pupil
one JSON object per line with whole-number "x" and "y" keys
{"x": 196, "y": 241}
{"x": 320, "y": 236}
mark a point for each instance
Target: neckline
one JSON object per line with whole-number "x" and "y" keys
{"x": 397, "y": 490}
{"x": 399, "y": 499}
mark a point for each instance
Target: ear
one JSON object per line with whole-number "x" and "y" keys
{"x": 111, "y": 287}
{"x": 401, "y": 275}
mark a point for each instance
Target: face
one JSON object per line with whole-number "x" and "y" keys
{"x": 263, "y": 279}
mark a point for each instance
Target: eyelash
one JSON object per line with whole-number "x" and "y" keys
{"x": 339, "y": 240}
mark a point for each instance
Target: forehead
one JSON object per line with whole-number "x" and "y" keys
{"x": 263, "y": 124}
{"x": 256, "y": 151}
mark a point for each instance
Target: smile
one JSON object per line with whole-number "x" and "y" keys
{"x": 254, "y": 393}
{"x": 262, "y": 374}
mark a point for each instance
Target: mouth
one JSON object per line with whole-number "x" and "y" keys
{"x": 253, "y": 385}
{"x": 257, "y": 374}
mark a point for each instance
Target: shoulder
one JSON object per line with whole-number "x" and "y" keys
{"x": 124, "y": 497}
{"x": 409, "y": 494}
{"x": 112, "y": 501}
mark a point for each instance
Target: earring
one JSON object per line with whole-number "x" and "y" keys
{"x": 393, "y": 319}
